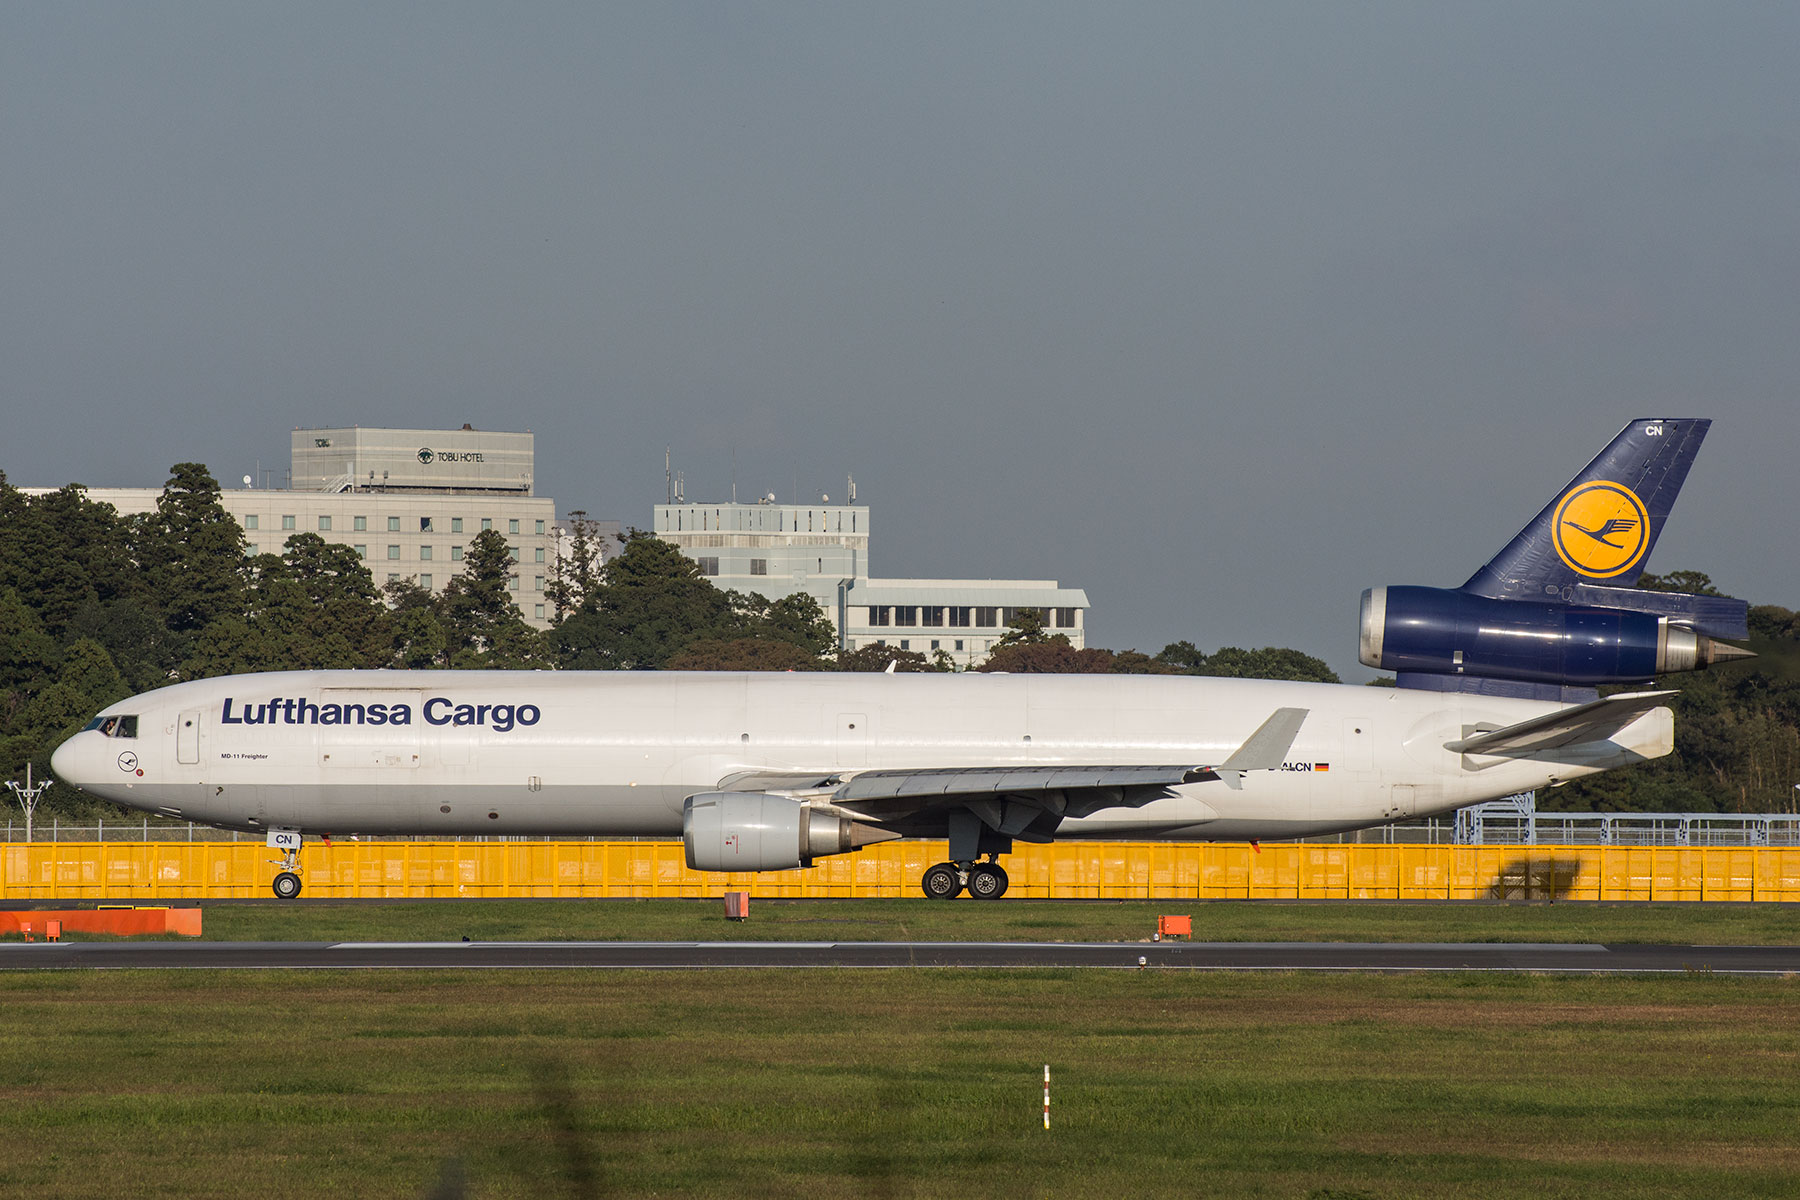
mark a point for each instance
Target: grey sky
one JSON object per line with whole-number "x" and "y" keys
{"x": 1222, "y": 313}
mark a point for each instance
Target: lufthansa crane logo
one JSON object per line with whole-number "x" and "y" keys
{"x": 1601, "y": 529}
{"x": 425, "y": 455}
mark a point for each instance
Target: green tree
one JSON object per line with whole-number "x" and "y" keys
{"x": 743, "y": 654}
{"x": 650, "y": 603}
{"x": 874, "y": 657}
{"x": 577, "y": 569}
{"x": 192, "y": 552}
{"x": 482, "y": 627}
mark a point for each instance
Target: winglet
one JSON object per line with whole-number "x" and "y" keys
{"x": 1265, "y": 749}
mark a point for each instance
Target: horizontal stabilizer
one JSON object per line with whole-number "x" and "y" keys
{"x": 1593, "y": 722}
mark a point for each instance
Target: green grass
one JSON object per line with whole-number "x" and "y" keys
{"x": 1007, "y": 920}
{"x": 889, "y": 1083}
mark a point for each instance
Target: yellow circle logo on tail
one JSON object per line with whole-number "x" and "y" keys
{"x": 1601, "y": 529}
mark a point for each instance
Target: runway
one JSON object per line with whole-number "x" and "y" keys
{"x": 1556, "y": 958}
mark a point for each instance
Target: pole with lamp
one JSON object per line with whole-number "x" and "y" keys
{"x": 28, "y": 795}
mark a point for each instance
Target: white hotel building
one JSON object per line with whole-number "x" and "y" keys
{"x": 408, "y": 501}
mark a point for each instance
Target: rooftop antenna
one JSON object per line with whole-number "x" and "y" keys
{"x": 734, "y": 472}
{"x": 852, "y": 480}
{"x": 668, "y": 476}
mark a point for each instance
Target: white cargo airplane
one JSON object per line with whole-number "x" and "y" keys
{"x": 771, "y": 771}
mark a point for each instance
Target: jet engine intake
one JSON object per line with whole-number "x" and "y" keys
{"x": 757, "y": 831}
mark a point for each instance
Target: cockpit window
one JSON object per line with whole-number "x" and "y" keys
{"x": 113, "y": 727}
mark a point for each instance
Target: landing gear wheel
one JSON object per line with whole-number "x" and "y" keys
{"x": 287, "y": 885}
{"x": 942, "y": 882}
{"x": 987, "y": 881}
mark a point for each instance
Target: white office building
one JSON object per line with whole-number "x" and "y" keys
{"x": 823, "y": 550}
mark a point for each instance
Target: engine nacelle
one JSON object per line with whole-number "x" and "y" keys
{"x": 755, "y": 831}
{"x": 1442, "y": 632}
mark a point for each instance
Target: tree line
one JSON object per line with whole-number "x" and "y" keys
{"x": 96, "y": 606}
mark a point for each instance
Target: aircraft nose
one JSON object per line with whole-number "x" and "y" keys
{"x": 65, "y": 763}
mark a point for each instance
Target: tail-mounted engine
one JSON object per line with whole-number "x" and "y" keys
{"x": 1435, "y": 631}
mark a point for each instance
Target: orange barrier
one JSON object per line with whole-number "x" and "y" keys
{"x": 148, "y": 871}
{"x": 126, "y": 922}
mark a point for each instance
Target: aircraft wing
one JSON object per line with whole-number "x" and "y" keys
{"x": 898, "y": 793}
{"x": 1592, "y": 722}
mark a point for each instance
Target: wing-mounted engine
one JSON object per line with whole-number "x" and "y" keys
{"x": 756, "y": 831}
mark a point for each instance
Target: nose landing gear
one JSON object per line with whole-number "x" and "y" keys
{"x": 948, "y": 880}
{"x": 287, "y": 881}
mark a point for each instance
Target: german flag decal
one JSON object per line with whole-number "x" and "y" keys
{"x": 1321, "y": 766}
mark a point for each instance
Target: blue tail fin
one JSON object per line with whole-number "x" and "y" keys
{"x": 1601, "y": 528}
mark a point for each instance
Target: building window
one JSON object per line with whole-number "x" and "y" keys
{"x": 456, "y": 554}
{"x": 759, "y": 566}
{"x": 1065, "y": 618}
{"x": 393, "y": 524}
{"x": 905, "y": 644}
{"x": 540, "y": 529}
{"x": 906, "y": 614}
{"x": 324, "y": 524}
{"x": 425, "y": 553}
{"x": 538, "y": 609}
{"x": 393, "y": 552}
{"x": 512, "y": 526}
{"x": 393, "y": 577}
{"x": 934, "y": 643}
{"x": 361, "y": 551}
{"x": 987, "y": 618}
{"x": 512, "y": 552}
{"x": 359, "y": 524}
{"x": 455, "y": 524}
{"x": 959, "y": 617}
{"x": 287, "y": 522}
{"x": 959, "y": 645}
{"x": 425, "y": 582}
{"x": 934, "y": 616}
{"x": 251, "y": 522}
{"x": 487, "y": 522}
{"x": 539, "y": 556}
{"x": 540, "y": 584}
{"x": 425, "y": 525}
{"x": 513, "y": 583}
{"x": 879, "y": 614}
{"x": 709, "y": 566}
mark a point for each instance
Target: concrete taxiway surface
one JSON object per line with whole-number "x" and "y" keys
{"x": 1571, "y": 958}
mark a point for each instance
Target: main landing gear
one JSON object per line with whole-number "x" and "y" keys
{"x": 983, "y": 880}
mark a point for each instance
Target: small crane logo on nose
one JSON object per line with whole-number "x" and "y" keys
{"x": 128, "y": 761}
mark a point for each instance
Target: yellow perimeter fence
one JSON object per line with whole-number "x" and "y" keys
{"x": 123, "y": 871}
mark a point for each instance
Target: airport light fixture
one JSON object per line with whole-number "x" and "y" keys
{"x": 28, "y": 795}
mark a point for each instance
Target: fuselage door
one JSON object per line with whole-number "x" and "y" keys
{"x": 187, "y": 737}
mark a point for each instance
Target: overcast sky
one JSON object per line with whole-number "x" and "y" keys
{"x": 1220, "y": 312}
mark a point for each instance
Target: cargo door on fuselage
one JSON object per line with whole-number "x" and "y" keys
{"x": 187, "y": 737}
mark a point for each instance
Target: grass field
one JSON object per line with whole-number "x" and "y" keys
{"x": 918, "y": 1083}
{"x": 1008, "y": 920}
